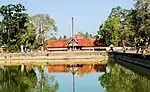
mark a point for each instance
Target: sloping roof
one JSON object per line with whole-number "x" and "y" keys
{"x": 79, "y": 37}
{"x": 58, "y": 43}
{"x": 64, "y": 68}
{"x": 57, "y": 68}
{"x": 73, "y": 40}
{"x": 86, "y": 42}
{"x": 81, "y": 41}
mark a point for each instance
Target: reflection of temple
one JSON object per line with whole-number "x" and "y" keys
{"x": 57, "y": 68}
{"x": 81, "y": 70}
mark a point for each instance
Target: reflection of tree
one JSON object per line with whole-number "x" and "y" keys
{"x": 120, "y": 79}
{"x": 12, "y": 79}
{"x": 47, "y": 83}
{"x": 100, "y": 68}
{"x": 15, "y": 80}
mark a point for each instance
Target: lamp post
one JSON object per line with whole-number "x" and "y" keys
{"x": 122, "y": 21}
{"x": 73, "y": 70}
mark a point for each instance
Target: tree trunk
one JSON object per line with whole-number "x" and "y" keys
{"x": 22, "y": 50}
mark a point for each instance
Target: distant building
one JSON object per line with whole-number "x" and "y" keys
{"x": 77, "y": 43}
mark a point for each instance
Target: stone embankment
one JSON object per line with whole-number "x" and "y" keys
{"x": 65, "y": 57}
{"x": 136, "y": 59}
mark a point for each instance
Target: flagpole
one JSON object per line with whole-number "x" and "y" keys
{"x": 72, "y": 34}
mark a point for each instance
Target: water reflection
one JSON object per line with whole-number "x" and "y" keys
{"x": 29, "y": 78}
{"x": 24, "y": 79}
{"x": 82, "y": 69}
{"x": 46, "y": 83}
{"x": 78, "y": 69}
{"x": 72, "y": 78}
{"x": 13, "y": 79}
{"x": 120, "y": 79}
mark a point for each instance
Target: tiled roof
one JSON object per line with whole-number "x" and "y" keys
{"x": 57, "y": 43}
{"x": 81, "y": 41}
{"x": 86, "y": 42}
{"x": 86, "y": 69}
{"x": 57, "y": 68}
{"x": 79, "y": 37}
{"x": 63, "y": 68}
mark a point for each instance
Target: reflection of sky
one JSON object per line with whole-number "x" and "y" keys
{"x": 86, "y": 83}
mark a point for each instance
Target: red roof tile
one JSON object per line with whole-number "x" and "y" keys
{"x": 57, "y": 43}
{"x": 86, "y": 42}
{"x": 82, "y": 41}
{"x": 64, "y": 68}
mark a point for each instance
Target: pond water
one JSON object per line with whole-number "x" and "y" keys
{"x": 72, "y": 78}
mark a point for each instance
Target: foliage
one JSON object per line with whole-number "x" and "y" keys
{"x": 15, "y": 80}
{"x": 86, "y": 34}
{"x": 29, "y": 37}
{"x": 111, "y": 31}
{"x": 15, "y": 28}
{"x": 135, "y": 25}
{"x": 120, "y": 79}
{"x": 118, "y": 12}
{"x": 12, "y": 79}
{"x": 18, "y": 29}
{"x": 140, "y": 18}
{"x": 65, "y": 37}
{"x": 49, "y": 85}
{"x": 48, "y": 25}
{"x": 12, "y": 24}
{"x": 114, "y": 30}
{"x": 46, "y": 83}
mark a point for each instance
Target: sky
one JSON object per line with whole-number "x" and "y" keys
{"x": 88, "y": 14}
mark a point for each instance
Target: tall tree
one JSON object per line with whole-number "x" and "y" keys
{"x": 13, "y": 24}
{"x": 118, "y": 12}
{"x": 29, "y": 37}
{"x": 110, "y": 31}
{"x": 48, "y": 24}
{"x": 114, "y": 30}
{"x": 45, "y": 27}
{"x": 139, "y": 20}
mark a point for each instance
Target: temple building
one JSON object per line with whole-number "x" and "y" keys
{"x": 77, "y": 43}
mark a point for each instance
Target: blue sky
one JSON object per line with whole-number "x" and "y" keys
{"x": 88, "y": 14}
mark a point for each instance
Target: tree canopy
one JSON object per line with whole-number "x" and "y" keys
{"x": 13, "y": 25}
{"x": 48, "y": 24}
{"x": 86, "y": 34}
{"x": 18, "y": 29}
{"x": 121, "y": 79}
{"x": 126, "y": 24}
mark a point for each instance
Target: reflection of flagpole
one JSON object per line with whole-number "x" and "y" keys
{"x": 73, "y": 73}
{"x": 73, "y": 70}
